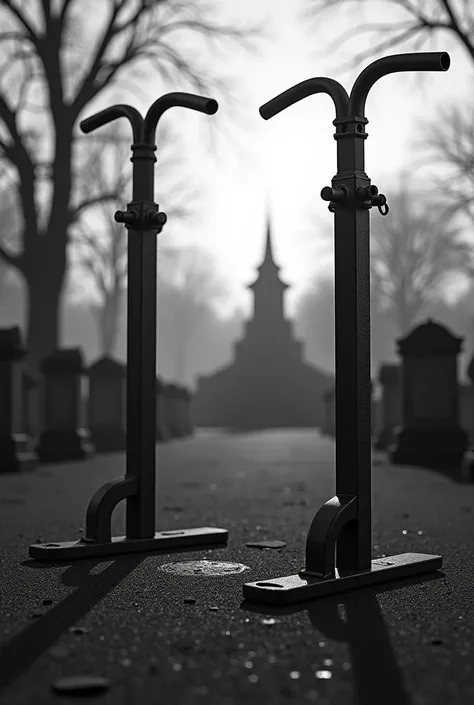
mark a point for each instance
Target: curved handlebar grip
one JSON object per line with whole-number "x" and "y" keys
{"x": 112, "y": 113}
{"x": 302, "y": 90}
{"x": 184, "y": 100}
{"x": 421, "y": 61}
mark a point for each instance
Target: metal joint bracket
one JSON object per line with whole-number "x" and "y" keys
{"x": 336, "y": 196}
{"x": 141, "y": 215}
{"x": 381, "y": 202}
{"x": 350, "y": 126}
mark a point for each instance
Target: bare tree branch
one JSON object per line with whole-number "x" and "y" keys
{"x": 10, "y": 259}
{"x": 413, "y": 251}
{"x": 30, "y": 32}
{"x": 425, "y": 18}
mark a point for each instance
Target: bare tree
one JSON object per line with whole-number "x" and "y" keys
{"x": 55, "y": 59}
{"x": 99, "y": 245}
{"x": 419, "y": 21}
{"x": 192, "y": 286}
{"x": 449, "y": 140}
{"x": 10, "y": 223}
{"x": 414, "y": 252}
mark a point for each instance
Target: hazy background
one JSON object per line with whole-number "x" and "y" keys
{"x": 250, "y": 169}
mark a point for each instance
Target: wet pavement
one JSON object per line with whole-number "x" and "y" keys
{"x": 144, "y": 629}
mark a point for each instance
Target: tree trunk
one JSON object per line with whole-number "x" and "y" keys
{"x": 44, "y": 289}
{"x": 107, "y": 319}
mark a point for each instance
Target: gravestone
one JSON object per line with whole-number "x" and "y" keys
{"x": 162, "y": 432}
{"x": 63, "y": 436}
{"x": 187, "y": 411}
{"x": 30, "y": 404}
{"x": 374, "y": 410}
{"x": 172, "y": 410}
{"x": 467, "y": 468}
{"x": 181, "y": 410}
{"x": 16, "y": 453}
{"x": 430, "y": 435}
{"x": 329, "y": 427}
{"x": 466, "y": 418}
{"x": 106, "y": 410}
{"x": 391, "y": 405}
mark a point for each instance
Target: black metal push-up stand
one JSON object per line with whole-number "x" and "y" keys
{"x": 143, "y": 221}
{"x": 338, "y": 546}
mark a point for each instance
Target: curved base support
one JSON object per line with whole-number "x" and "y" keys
{"x": 294, "y": 588}
{"x": 99, "y": 541}
{"x": 324, "y": 531}
{"x": 201, "y": 537}
{"x": 103, "y": 503}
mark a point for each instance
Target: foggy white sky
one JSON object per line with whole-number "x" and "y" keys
{"x": 281, "y": 165}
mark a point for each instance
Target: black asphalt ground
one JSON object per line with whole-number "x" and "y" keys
{"x": 165, "y": 639}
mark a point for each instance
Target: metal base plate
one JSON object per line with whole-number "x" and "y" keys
{"x": 293, "y": 588}
{"x": 162, "y": 540}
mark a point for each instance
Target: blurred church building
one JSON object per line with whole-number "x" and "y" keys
{"x": 268, "y": 384}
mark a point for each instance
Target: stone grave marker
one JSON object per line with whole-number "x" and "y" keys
{"x": 430, "y": 434}
{"x": 391, "y": 405}
{"x": 106, "y": 404}
{"x": 62, "y": 437}
{"x": 16, "y": 453}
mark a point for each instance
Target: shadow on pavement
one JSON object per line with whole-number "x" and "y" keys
{"x": 377, "y": 677}
{"x": 17, "y": 655}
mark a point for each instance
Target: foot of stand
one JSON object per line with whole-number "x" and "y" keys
{"x": 293, "y": 588}
{"x": 162, "y": 540}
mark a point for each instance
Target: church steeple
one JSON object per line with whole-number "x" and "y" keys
{"x": 268, "y": 246}
{"x": 268, "y": 263}
{"x": 268, "y": 288}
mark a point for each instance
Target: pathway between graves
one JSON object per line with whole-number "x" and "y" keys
{"x": 154, "y": 635}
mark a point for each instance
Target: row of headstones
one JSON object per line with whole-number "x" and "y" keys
{"x": 45, "y": 417}
{"x": 424, "y": 415}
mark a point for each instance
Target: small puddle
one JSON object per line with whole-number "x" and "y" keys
{"x": 204, "y": 567}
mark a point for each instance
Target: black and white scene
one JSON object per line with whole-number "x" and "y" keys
{"x": 236, "y": 352}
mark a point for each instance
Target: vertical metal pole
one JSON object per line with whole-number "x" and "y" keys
{"x": 141, "y": 355}
{"x": 352, "y": 344}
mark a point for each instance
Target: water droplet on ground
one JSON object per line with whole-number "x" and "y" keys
{"x": 189, "y": 600}
{"x": 153, "y": 665}
{"x": 78, "y": 630}
{"x": 266, "y": 544}
{"x": 269, "y": 620}
{"x": 81, "y": 684}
